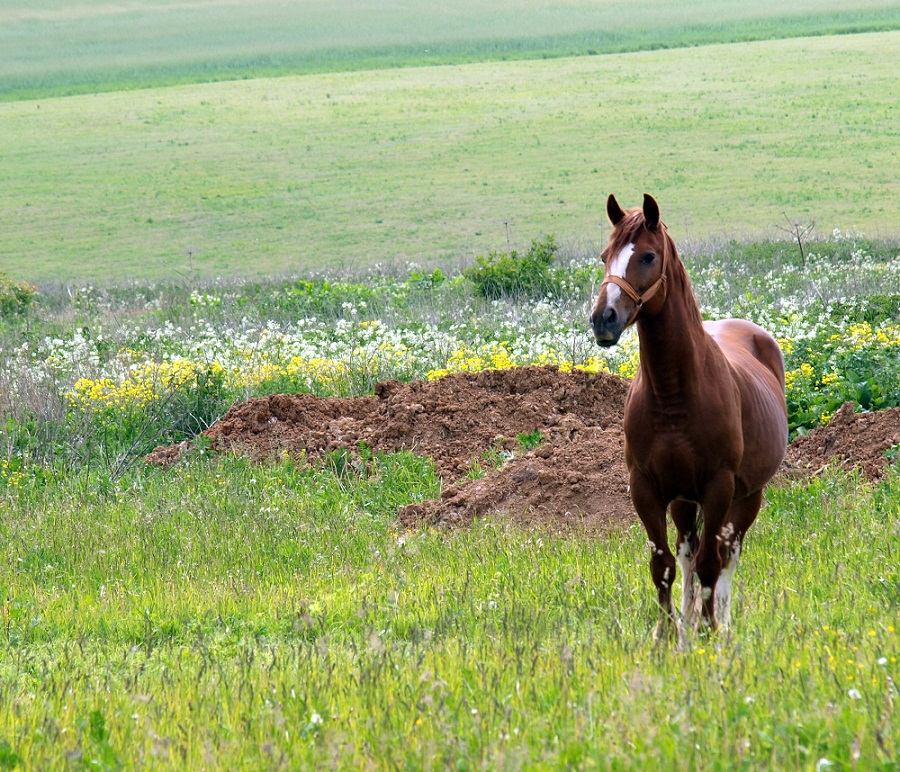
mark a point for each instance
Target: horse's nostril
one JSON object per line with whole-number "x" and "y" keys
{"x": 609, "y": 315}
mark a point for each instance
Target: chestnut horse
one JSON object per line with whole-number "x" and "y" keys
{"x": 705, "y": 417}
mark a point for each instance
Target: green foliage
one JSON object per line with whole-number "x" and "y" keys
{"x": 859, "y": 365}
{"x": 116, "y": 426}
{"x": 9, "y": 759}
{"x": 97, "y": 751}
{"x": 877, "y": 308}
{"x": 16, "y": 297}
{"x": 419, "y": 279}
{"x": 195, "y": 404}
{"x": 489, "y": 461}
{"x": 530, "y": 440}
{"x": 325, "y": 298}
{"x": 510, "y": 275}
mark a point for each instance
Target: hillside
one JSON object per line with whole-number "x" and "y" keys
{"x": 293, "y": 174}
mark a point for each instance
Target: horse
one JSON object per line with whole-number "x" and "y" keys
{"x": 705, "y": 416}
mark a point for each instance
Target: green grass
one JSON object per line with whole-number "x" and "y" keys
{"x": 236, "y": 616}
{"x": 231, "y": 615}
{"x": 289, "y": 174}
{"x": 52, "y": 47}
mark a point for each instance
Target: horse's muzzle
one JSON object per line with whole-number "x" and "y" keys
{"x": 607, "y": 326}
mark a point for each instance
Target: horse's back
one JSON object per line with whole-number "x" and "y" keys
{"x": 758, "y": 367}
{"x": 744, "y": 343}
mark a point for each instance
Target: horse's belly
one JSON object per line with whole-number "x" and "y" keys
{"x": 758, "y": 370}
{"x": 765, "y": 437}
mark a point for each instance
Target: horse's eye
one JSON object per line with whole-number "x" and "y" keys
{"x": 647, "y": 258}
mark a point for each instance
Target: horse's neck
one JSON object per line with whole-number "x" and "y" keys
{"x": 673, "y": 347}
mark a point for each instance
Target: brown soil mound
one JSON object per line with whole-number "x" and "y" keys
{"x": 452, "y": 420}
{"x": 579, "y": 484}
{"x": 855, "y": 440}
{"x": 576, "y": 478}
{"x": 295, "y": 423}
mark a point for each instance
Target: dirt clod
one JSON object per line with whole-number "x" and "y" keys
{"x": 854, "y": 440}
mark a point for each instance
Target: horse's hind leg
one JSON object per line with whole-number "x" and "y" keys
{"x": 740, "y": 517}
{"x": 715, "y": 505}
{"x": 684, "y": 515}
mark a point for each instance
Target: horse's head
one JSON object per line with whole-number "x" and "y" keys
{"x": 636, "y": 260}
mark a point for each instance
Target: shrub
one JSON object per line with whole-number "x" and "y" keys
{"x": 16, "y": 297}
{"x": 500, "y": 274}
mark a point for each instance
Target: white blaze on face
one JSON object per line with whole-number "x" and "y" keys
{"x": 617, "y": 267}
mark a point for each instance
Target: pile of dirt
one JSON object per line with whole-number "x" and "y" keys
{"x": 855, "y": 440}
{"x": 577, "y": 475}
{"x": 575, "y": 479}
{"x": 452, "y": 420}
{"x": 577, "y": 484}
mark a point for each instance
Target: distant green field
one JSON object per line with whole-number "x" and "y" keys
{"x": 289, "y": 174}
{"x": 52, "y": 47}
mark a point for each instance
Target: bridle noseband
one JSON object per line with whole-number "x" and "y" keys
{"x": 641, "y": 299}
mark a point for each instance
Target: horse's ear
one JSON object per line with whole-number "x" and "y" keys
{"x": 613, "y": 210}
{"x": 651, "y": 212}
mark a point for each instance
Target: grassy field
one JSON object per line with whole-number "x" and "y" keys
{"x": 230, "y": 615}
{"x": 53, "y": 47}
{"x": 289, "y": 174}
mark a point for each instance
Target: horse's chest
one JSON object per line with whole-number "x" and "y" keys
{"x": 675, "y": 453}
{"x": 680, "y": 448}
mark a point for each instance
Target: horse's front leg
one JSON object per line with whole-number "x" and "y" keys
{"x": 715, "y": 503}
{"x": 684, "y": 515}
{"x": 652, "y": 512}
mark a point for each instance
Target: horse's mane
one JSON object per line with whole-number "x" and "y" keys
{"x": 627, "y": 232}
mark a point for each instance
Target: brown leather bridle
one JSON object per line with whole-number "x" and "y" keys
{"x": 640, "y": 299}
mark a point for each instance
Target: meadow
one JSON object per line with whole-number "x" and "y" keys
{"x": 226, "y": 614}
{"x": 53, "y": 48}
{"x": 239, "y": 616}
{"x": 439, "y": 164}
{"x": 172, "y": 246}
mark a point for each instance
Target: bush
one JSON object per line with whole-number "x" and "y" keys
{"x": 16, "y": 297}
{"x": 500, "y": 274}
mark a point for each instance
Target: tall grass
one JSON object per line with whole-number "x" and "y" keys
{"x": 234, "y": 615}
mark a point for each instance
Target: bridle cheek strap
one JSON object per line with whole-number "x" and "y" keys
{"x": 648, "y": 293}
{"x": 639, "y": 300}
